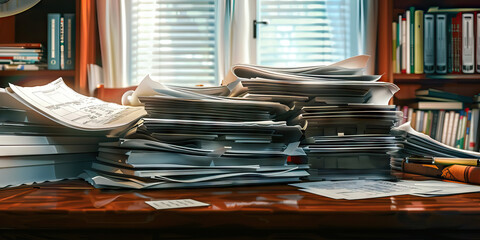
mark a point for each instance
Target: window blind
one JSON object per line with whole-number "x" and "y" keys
{"x": 173, "y": 41}
{"x": 303, "y": 32}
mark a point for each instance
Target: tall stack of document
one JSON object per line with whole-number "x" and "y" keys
{"x": 345, "y": 115}
{"x": 190, "y": 139}
{"x": 48, "y": 133}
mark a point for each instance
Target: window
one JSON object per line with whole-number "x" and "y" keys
{"x": 173, "y": 41}
{"x": 304, "y": 32}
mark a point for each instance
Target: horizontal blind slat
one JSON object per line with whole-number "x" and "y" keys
{"x": 174, "y": 41}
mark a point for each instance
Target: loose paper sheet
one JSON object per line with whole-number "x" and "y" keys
{"x": 60, "y": 103}
{"x": 180, "y": 203}
{"x": 357, "y": 189}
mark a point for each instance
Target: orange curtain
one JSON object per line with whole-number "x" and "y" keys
{"x": 87, "y": 42}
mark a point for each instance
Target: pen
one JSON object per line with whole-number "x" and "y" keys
{"x": 444, "y": 161}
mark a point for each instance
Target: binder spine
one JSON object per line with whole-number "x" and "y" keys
{"x": 69, "y": 41}
{"x": 429, "y": 52}
{"x": 53, "y": 41}
{"x": 477, "y": 34}
{"x": 418, "y": 41}
{"x": 413, "y": 23}
{"x": 62, "y": 43}
{"x": 441, "y": 36}
{"x": 467, "y": 43}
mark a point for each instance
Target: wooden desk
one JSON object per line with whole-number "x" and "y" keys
{"x": 274, "y": 212}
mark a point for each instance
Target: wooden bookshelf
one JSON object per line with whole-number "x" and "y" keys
{"x": 39, "y": 73}
{"x": 406, "y": 78}
{"x": 31, "y": 26}
{"x": 464, "y": 84}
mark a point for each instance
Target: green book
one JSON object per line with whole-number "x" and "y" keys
{"x": 412, "y": 39}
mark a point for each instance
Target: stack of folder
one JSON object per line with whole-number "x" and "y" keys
{"x": 345, "y": 115}
{"x": 191, "y": 139}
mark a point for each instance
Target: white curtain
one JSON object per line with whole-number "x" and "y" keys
{"x": 112, "y": 28}
{"x": 367, "y": 31}
{"x": 235, "y": 34}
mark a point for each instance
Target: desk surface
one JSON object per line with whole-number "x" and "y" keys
{"x": 74, "y": 204}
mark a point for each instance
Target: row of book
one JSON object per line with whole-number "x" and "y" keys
{"x": 22, "y": 56}
{"x": 61, "y": 41}
{"x": 438, "y": 41}
{"x": 447, "y": 117}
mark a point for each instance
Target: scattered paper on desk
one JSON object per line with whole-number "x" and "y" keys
{"x": 357, "y": 189}
{"x": 440, "y": 188}
{"x": 363, "y": 189}
{"x": 179, "y": 203}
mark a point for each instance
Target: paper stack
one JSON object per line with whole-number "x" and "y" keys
{"x": 49, "y": 132}
{"x": 190, "y": 139}
{"x": 418, "y": 144}
{"x": 345, "y": 116}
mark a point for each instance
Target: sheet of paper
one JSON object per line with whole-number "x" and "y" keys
{"x": 357, "y": 189}
{"x": 178, "y": 203}
{"x": 63, "y": 105}
{"x": 440, "y": 188}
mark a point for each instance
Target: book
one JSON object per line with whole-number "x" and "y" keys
{"x": 446, "y": 123}
{"x": 434, "y": 125}
{"x": 472, "y": 143}
{"x": 438, "y": 94}
{"x": 404, "y": 44}
{"x": 429, "y": 44}
{"x": 450, "y": 21}
{"x": 21, "y": 45}
{"x": 477, "y": 47}
{"x": 394, "y": 48}
{"x": 454, "y": 129}
{"x": 399, "y": 45}
{"x": 459, "y": 132}
{"x": 408, "y": 41}
{"x": 62, "y": 43}
{"x": 441, "y": 48}
{"x": 53, "y": 41}
{"x": 69, "y": 41}
{"x": 457, "y": 47}
{"x": 440, "y": 125}
{"x": 468, "y": 43}
{"x": 467, "y": 174}
{"x": 412, "y": 32}
{"x": 451, "y": 10}
{"x": 437, "y": 105}
{"x": 418, "y": 61}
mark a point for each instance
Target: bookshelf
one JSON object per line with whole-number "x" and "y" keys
{"x": 464, "y": 84}
{"x": 31, "y": 26}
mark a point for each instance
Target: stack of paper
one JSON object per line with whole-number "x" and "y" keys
{"x": 190, "y": 139}
{"x": 50, "y": 132}
{"x": 418, "y": 144}
{"x": 346, "y": 116}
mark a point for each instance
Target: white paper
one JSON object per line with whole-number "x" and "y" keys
{"x": 60, "y": 103}
{"x": 440, "y": 188}
{"x": 357, "y": 189}
{"x": 178, "y": 203}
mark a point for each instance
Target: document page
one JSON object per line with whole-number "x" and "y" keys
{"x": 60, "y": 103}
{"x": 357, "y": 189}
